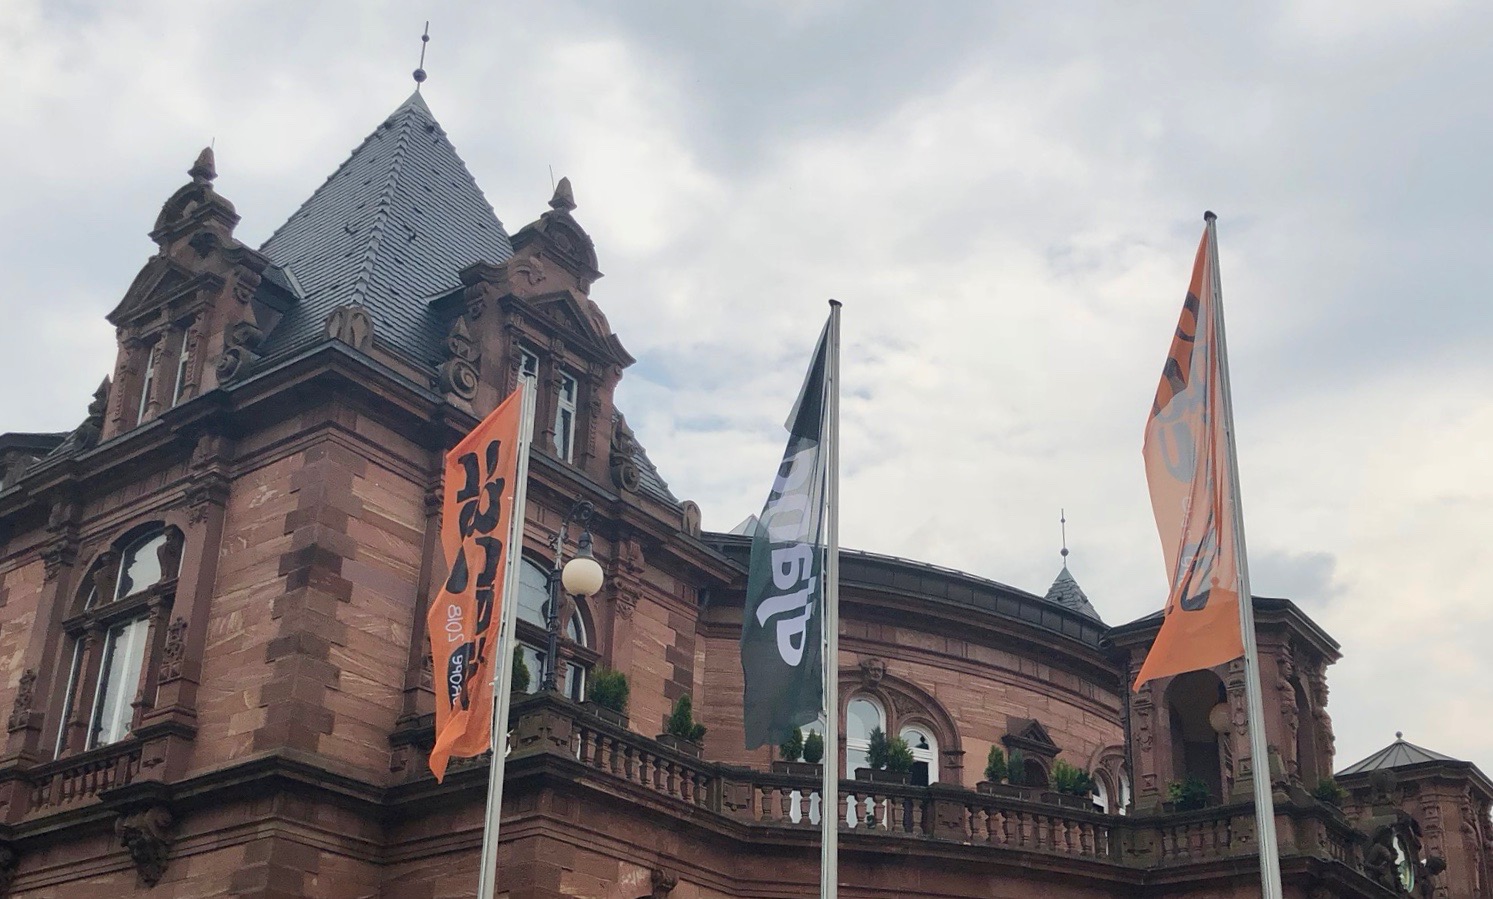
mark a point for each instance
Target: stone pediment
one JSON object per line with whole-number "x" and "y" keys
{"x": 1028, "y": 735}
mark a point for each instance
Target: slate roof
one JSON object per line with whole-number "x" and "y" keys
{"x": 390, "y": 229}
{"x": 1396, "y": 755}
{"x": 1066, "y": 593}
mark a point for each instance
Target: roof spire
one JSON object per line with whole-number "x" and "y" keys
{"x": 419, "y": 73}
{"x": 1063, "y": 523}
{"x": 204, "y": 170}
{"x": 564, "y": 198}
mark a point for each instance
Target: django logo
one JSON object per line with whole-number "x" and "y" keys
{"x": 790, "y": 520}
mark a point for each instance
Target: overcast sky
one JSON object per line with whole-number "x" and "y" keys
{"x": 1006, "y": 197}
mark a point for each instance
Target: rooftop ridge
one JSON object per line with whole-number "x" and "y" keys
{"x": 380, "y": 217}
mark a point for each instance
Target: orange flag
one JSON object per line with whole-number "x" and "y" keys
{"x": 481, "y": 475}
{"x": 1192, "y": 489}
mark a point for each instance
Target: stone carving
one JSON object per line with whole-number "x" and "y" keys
{"x": 174, "y": 651}
{"x": 663, "y": 883}
{"x": 689, "y": 515}
{"x": 146, "y": 835}
{"x": 20, "y": 710}
{"x": 168, "y": 555}
{"x": 352, "y": 325}
{"x": 530, "y": 268}
{"x": 625, "y": 473}
{"x": 458, "y": 373}
{"x": 1379, "y": 860}
{"x": 105, "y": 570}
{"x": 872, "y": 671}
{"x": 239, "y": 350}
{"x": 88, "y": 433}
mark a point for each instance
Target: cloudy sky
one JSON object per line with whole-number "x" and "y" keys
{"x": 1006, "y": 197}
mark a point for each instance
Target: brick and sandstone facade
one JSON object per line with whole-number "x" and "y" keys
{"x": 213, "y": 593}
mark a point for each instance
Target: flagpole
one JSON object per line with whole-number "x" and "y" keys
{"x": 829, "y": 793}
{"x": 1270, "y": 885}
{"x": 503, "y": 676}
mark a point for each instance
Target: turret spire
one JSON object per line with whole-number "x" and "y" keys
{"x": 419, "y": 73}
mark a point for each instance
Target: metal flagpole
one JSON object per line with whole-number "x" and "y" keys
{"x": 503, "y": 676}
{"x": 829, "y": 792}
{"x": 1270, "y": 887}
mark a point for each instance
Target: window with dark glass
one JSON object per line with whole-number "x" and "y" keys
{"x": 565, "y": 417}
{"x": 577, "y": 657}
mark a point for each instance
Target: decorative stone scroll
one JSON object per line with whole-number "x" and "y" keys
{"x": 352, "y": 325}
{"x": 458, "y": 376}
{"x": 625, "y": 473}
{"x": 20, "y": 710}
{"x": 147, "y": 836}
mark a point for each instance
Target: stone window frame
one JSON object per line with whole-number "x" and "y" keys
{"x": 88, "y": 626}
{"x": 903, "y": 703}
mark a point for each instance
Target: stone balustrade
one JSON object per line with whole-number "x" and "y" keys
{"x": 68, "y": 781}
{"x": 939, "y": 812}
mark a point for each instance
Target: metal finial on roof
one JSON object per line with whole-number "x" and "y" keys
{"x": 420, "y": 72}
{"x": 1063, "y": 523}
{"x": 1399, "y": 735}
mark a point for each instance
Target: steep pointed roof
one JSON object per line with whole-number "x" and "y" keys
{"x": 1396, "y": 755}
{"x": 1066, "y": 593}
{"x": 388, "y": 230}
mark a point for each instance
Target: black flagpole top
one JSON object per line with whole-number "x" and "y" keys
{"x": 836, "y": 303}
{"x": 419, "y": 73}
{"x": 1209, "y": 216}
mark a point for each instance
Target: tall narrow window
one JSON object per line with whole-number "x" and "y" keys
{"x": 528, "y": 363}
{"x": 119, "y": 678}
{"x": 862, "y": 716}
{"x": 67, "y": 702}
{"x": 924, "y": 748}
{"x": 183, "y": 356}
{"x": 565, "y": 418}
{"x": 147, "y": 385}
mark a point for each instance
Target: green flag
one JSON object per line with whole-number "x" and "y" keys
{"x": 781, "y": 651}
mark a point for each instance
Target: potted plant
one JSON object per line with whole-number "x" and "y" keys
{"x": 1330, "y": 792}
{"x": 1072, "y": 786}
{"x": 879, "y": 757}
{"x": 520, "y": 674}
{"x": 1186, "y": 795}
{"x": 681, "y": 731}
{"x": 814, "y": 749}
{"x": 995, "y": 773}
{"x": 606, "y": 696}
{"x": 794, "y": 747}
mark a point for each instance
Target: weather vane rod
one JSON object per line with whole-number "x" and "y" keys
{"x": 420, "y": 72}
{"x": 1063, "y": 523}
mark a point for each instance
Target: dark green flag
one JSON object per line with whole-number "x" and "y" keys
{"x": 781, "y": 650}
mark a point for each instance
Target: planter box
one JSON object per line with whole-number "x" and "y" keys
{"x": 883, "y": 777}
{"x": 678, "y": 745}
{"x": 1026, "y": 794}
{"x": 1066, "y": 800}
{"x": 803, "y": 769}
{"x": 606, "y": 714}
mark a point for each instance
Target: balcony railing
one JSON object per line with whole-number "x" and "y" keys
{"x": 550, "y": 724}
{"x": 68, "y": 781}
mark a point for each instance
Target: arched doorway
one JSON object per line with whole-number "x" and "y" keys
{"x": 1195, "y": 750}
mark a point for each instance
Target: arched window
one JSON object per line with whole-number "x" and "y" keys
{"x": 533, "y": 634}
{"x": 924, "y": 746}
{"x": 1124, "y": 808}
{"x": 1100, "y": 796}
{"x": 1196, "y": 752}
{"x": 862, "y": 715}
{"x": 533, "y": 594}
{"x": 115, "y": 640}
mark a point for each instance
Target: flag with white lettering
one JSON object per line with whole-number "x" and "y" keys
{"x": 781, "y": 651}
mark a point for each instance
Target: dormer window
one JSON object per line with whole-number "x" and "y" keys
{"x": 565, "y": 418}
{"x": 146, "y": 385}
{"x": 183, "y": 356}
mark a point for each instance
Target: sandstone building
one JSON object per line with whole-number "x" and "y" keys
{"x": 212, "y": 599}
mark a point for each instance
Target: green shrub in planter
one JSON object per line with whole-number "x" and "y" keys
{"x": 995, "y": 765}
{"x": 520, "y": 674}
{"x": 898, "y": 756}
{"x": 609, "y": 690}
{"x": 877, "y": 750}
{"x": 792, "y": 746}
{"x": 681, "y": 722}
{"x": 814, "y": 747}
{"x": 1329, "y": 791}
{"x": 1071, "y": 779}
{"x": 1188, "y": 794}
{"x": 1016, "y": 770}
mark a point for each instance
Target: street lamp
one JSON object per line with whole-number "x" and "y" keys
{"x": 581, "y": 576}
